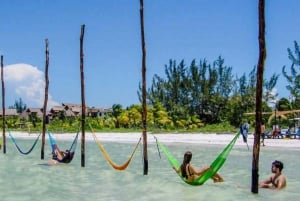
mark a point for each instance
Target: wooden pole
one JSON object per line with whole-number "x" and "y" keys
{"x": 82, "y": 99}
{"x": 258, "y": 115}
{"x": 3, "y": 108}
{"x": 144, "y": 92}
{"x": 45, "y": 99}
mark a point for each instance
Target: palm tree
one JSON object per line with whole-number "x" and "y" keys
{"x": 117, "y": 110}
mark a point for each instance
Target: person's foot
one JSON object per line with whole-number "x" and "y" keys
{"x": 218, "y": 179}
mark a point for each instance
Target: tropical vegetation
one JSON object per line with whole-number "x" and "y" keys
{"x": 195, "y": 97}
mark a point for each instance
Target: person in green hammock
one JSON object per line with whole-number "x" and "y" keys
{"x": 190, "y": 173}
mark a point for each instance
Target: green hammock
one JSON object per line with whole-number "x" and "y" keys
{"x": 214, "y": 167}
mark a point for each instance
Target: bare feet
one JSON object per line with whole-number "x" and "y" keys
{"x": 217, "y": 179}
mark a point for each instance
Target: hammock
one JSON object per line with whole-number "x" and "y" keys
{"x": 107, "y": 157}
{"x": 67, "y": 157}
{"x": 214, "y": 167}
{"x": 18, "y": 147}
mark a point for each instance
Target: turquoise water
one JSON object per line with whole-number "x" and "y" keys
{"x": 27, "y": 177}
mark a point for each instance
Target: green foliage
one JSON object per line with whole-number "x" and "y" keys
{"x": 19, "y": 105}
{"x": 200, "y": 90}
{"x": 219, "y": 128}
{"x": 293, "y": 77}
{"x": 200, "y": 97}
{"x": 206, "y": 91}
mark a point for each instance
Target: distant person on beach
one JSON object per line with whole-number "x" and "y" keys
{"x": 263, "y": 133}
{"x": 276, "y": 131}
{"x": 276, "y": 181}
{"x": 190, "y": 173}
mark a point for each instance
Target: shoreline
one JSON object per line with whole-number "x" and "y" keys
{"x": 195, "y": 138}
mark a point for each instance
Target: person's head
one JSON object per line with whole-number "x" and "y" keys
{"x": 277, "y": 165}
{"x": 186, "y": 160}
{"x": 187, "y": 157}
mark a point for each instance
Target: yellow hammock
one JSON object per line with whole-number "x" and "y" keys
{"x": 107, "y": 157}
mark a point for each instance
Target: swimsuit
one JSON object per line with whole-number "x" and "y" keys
{"x": 188, "y": 173}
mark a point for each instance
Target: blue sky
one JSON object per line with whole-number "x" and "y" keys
{"x": 194, "y": 29}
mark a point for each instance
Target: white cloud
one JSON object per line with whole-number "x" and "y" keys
{"x": 273, "y": 93}
{"x": 26, "y": 82}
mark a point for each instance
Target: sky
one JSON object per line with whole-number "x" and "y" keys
{"x": 174, "y": 29}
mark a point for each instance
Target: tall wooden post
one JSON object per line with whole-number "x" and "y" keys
{"x": 3, "y": 108}
{"x": 82, "y": 99}
{"x": 144, "y": 92}
{"x": 45, "y": 99}
{"x": 258, "y": 110}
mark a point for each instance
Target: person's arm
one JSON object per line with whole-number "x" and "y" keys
{"x": 59, "y": 154}
{"x": 176, "y": 170}
{"x": 199, "y": 172}
{"x": 266, "y": 183}
{"x": 281, "y": 183}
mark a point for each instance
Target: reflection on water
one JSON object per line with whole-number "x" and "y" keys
{"x": 27, "y": 177}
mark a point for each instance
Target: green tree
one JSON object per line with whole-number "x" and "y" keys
{"x": 19, "y": 105}
{"x": 161, "y": 118}
{"x": 221, "y": 91}
{"x": 207, "y": 92}
{"x": 293, "y": 77}
{"x": 135, "y": 116}
{"x": 268, "y": 95}
{"x": 116, "y": 111}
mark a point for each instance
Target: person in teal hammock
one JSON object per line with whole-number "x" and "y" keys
{"x": 190, "y": 173}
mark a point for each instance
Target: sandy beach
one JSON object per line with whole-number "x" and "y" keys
{"x": 195, "y": 138}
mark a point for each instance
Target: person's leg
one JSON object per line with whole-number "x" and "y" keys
{"x": 263, "y": 139}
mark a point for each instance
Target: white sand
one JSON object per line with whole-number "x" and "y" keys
{"x": 213, "y": 139}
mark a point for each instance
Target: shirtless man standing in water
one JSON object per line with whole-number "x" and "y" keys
{"x": 276, "y": 181}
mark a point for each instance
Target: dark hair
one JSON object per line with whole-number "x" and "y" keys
{"x": 278, "y": 164}
{"x": 186, "y": 160}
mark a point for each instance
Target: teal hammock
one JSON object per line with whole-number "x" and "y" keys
{"x": 19, "y": 148}
{"x": 214, "y": 167}
{"x": 69, "y": 155}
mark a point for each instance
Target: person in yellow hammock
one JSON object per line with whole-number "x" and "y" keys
{"x": 190, "y": 173}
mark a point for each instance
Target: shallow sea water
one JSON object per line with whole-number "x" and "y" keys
{"x": 27, "y": 177}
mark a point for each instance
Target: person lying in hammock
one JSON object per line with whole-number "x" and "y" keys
{"x": 62, "y": 156}
{"x": 190, "y": 173}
